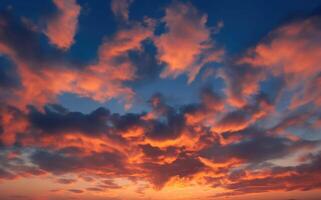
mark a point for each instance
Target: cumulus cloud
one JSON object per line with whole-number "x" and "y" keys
{"x": 186, "y": 45}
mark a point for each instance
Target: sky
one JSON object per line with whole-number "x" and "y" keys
{"x": 166, "y": 99}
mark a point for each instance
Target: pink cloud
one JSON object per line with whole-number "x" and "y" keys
{"x": 187, "y": 44}
{"x": 62, "y": 28}
{"x": 293, "y": 49}
{"x": 294, "y": 52}
{"x": 101, "y": 80}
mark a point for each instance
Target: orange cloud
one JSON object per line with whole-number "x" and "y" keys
{"x": 187, "y": 45}
{"x": 100, "y": 81}
{"x": 62, "y": 28}
{"x": 206, "y": 113}
{"x": 12, "y": 122}
{"x": 293, "y": 51}
{"x": 239, "y": 120}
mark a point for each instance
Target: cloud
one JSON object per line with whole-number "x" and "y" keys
{"x": 282, "y": 53}
{"x": 6, "y": 175}
{"x": 255, "y": 146}
{"x": 242, "y": 118}
{"x": 12, "y": 123}
{"x": 55, "y": 163}
{"x": 292, "y": 51}
{"x": 58, "y": 163}
{"x": 289, "y": 53}
{"x": 160, "y": 174}
{"x": 9, "y": 78}
{"x": 120, "y": 8}
{"x": 154, "y": 152}
{"x": 151, "y": 155}
{"x": 242, "y": 82}
{"x": 13, "y": 165}
{"x": 66, "y": 181}
{"x": 302, "y": 177}
{"x": 20, "y": 42}
{"x": 206, "y": 112}
{"x": 62, "y": 28}
{"x": 76, "y": 191}
{"x": 109, "y": 184}
{"x": 56, "y": 75}
{"x": 63, "y": 121}
{"x": 186, "y": 45}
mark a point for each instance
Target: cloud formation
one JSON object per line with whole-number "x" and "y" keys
{"x": 62, "y": 28}
{"x": 186, "y": 44}
{"x": 257, "y": 133}
{"x": 282, "y": 54}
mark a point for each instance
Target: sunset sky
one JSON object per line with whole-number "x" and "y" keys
{"x": 160, "y": 100}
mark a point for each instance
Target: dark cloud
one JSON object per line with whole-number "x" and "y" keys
{"x": 13, "y": 165}
{"x": 238, "y": 116}
{"x": 66, "y": 181}
{"x": 21, "y": 197}
{"x": 254, "y": 145}
{"x": 168, "y": 125}
{"x": 109, "y": 184}
{"x": 265, "y": 148}
{"x": 76, "y": 191}
{"x": 160, "y": 174}
{"x": 171, "y": 123}
{"x": 59, "y": 163}
{"x": 95, "y": 189}
{"x": 145, "y": 62}
{"x": 6, "y": 174}
{"x": 256, "y": 148}
{"x": 302, "y": 177}
{"x": 11, "y": 123}
{"x": 25, "y": 42}
{"x": 9, "y": 77}
{"x": 158, "y": 104}
{"x": 126, "y": 121}
{"x": 170, "y": 129}
{"x": 155, "y": 152}
{"x": 55, "y": 163}
{"x": 56, "y": 119}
